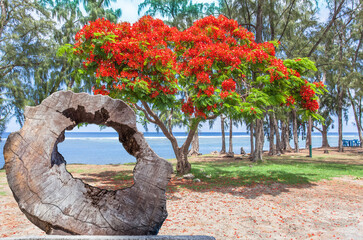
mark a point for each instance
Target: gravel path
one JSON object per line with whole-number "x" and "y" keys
{"x": 324, "y": 210}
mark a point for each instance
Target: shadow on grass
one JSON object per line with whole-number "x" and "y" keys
{"x": 247, "y": 184}
{"x": 241, "y": 177}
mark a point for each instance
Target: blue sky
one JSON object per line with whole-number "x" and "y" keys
{"x": 129, "y": 14}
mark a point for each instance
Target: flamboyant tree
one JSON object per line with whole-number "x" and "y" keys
{"x": 194, "y": 73}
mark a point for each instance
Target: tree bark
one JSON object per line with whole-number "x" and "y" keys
{"x": 259, "y": 21}
{"x": 324, "y": 134}
{"x": 251, "y": 139}
{"x": 183, "y": 165}
{"x": 58, "y": 203}
{"x": 230, "y": 150}
{"x": 340, "y": 119}
{"x": 194, "y": 151}
{"x": 294, "y": 124}
{"x": 279, "y": 148}
{"x": 308, "y": 134}
{"x": 271, "y": 137}
{"x": 359, "y": 129}
{"x": 257, "y": 155}
{"x": 223, "y": 150}
{"x": 285, "y": 131}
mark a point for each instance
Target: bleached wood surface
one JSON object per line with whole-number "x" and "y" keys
{"x": 60, "y": 204}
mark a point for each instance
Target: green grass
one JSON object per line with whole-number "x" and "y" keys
{"x": 130, "y": 163}
{"x": 3, "y": 194}
{"x": 287, "y": 170}
{"x": 123, "y": 176}
{"x": 2, "y": 170}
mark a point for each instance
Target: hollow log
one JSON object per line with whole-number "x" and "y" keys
{"x": 58, "y": 203}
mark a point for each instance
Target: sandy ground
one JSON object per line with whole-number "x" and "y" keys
{"x": 322, "y": 210}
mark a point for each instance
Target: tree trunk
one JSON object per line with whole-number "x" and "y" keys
{"x": 356, "y": 118}
{"x": 279, "y": 148}
{"x": 296, "y": 137}
{"x": 259, "y": 21}
{"x": 271, "y": 137}
{"x": 251, "y": 138}
{"x": 340, "y": 119}
{"x": 324, "y": 134}
{"x": 183, "y": 165}
{"x": 230, "y": 150}
{"x": 58, "y": 203}
{"x": 223, "y": 151}
{"x": 194, "y": 151}
{"x": 257, "y": 155}
{"x": 285, "y": 131}
{"x": 308, "y": 135}
{"x": 360, "y": 112}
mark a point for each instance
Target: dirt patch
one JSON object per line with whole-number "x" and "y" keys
{"x": 320, "y": 210}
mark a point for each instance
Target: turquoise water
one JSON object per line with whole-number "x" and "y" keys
{"x": 104, "y": 147}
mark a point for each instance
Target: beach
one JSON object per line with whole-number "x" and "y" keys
{"x": 275, "y": 205}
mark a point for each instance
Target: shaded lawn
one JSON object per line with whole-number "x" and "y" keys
{"x": 218, "y": 172}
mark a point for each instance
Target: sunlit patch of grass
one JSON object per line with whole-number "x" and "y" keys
{"x": 130, "y": 163}
{"x": 3, "y": 194}
{"x": 286, "y": 170}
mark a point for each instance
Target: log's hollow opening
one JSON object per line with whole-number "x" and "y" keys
{"x": 96, "y": 157}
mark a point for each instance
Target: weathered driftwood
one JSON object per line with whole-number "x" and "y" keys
{"x": 60, "y": 204}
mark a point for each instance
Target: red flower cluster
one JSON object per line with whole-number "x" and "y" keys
{"x": 188, "y": 107}
{"x": 308, "y": 102}
{"x": 319, "y": 84}
{"x": 290, "y": 101}
{"x": 156, "y": 63}
{"x": 102, "y": 91}
{"x": 128, "y": 51}
{"x": 278, "y": 70}
{"x": 229, "y": 85}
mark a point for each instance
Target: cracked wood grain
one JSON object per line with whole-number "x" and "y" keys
{"x": 58, "y": 203}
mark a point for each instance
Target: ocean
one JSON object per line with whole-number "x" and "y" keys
{"x": 104, "y": 147}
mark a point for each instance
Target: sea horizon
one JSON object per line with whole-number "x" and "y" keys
{"x": 104, "y": 147}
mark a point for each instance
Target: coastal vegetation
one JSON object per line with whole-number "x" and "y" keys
{"x": 31, "y": 32}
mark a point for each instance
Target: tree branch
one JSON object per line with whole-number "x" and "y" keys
{"x": 327, "y": 28}
{"x": 158, "y": 122}
{"x": 146, "y": 114}
{"x": 318, "y": 129}
{"x": 288, "y": 19}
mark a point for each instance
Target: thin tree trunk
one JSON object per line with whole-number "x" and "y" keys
{"x": 285, "y": 131}
{"x": 223, "y": 151}
{"x": 294, "y": 124}
{"x": 340, "y": 119}
{"x": 356, "y": 118}
{"x": 360, "y": 112}
{"x": 194, "y": 151}
{"x": 271, "y": 137}
{"x": 257, "y": 155}
{"x": 251, "y": 138}
{"x": 259, "y": 21}
{"x": 230, "y": 150}
{"x": 279, "y": 148}
{"x": 324, "y": 134}
{"x": 308, "y": 135}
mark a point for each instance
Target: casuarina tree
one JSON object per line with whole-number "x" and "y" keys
{"x": 193, "y": 74}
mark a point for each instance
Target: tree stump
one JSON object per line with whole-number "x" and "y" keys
{"x": 58, "y": 203}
